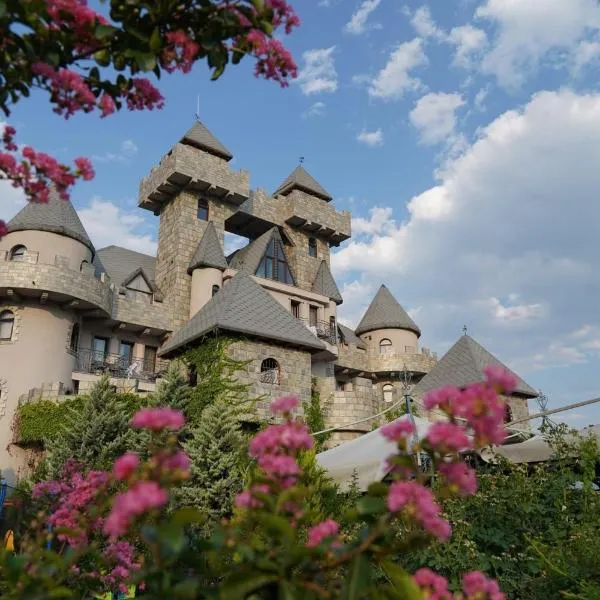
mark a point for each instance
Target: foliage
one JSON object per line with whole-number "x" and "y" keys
{"x": 43, "y": 419}
{"x": 94, "y": 433}
{"x": 115, "y": 529}
{"x": 94, "y": 62}
{"x": 172, "y": 389}
{"x": 215, "y": 372}
{"x": 314, "y": 415}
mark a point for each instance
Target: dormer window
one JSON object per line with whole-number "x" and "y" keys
{"x": 312, "y": 247}
{"x": 274, "y": 264}
{"x": 17, "y": 253}
{"x": 202, "y": 212}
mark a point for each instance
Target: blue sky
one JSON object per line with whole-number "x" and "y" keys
{"x": 463, "y": 136}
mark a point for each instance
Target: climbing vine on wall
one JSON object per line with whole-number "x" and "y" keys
{"x": 314, "y": 414}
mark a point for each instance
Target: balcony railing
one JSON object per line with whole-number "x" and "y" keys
{"x": 115, "y": 365}
{"x": 322, "y": 329}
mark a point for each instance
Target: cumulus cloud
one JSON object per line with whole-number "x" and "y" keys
{"x": 314, "y": 110}
{"x": 107, "y": 223}
{"x": 526, "y": 33}
{"x": 434, "y": 116}
{"x": 358, "y": 21}
{"x": 424, "y": 24}
{"x": 395, "y": 78}
{"x": 371, "y": 138}
{"x": 318, "y": 75}
{"x": 126, "y": 152}
{"x": 470, "y": 42}
{"x": 506, "y": 242}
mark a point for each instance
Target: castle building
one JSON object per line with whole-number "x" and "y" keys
{"x": 69, "y": 312}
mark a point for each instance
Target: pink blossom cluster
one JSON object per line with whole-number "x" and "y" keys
{"x": 476, "y": 586}
{"x": 157, "y": 419}
{"x": 122, "y": 556}
{"x": 248, "y": 499}
{"x": 434, "y": 586}
{"x": 398, "y": 430}
{"x": 180, "y": 53}
{"x": 126, "y": 465}
{"x": 273, "y": 59}
{"x": 447, "y": 437}
{"x": 322, "y": 531}
{"x": 416, "y": 501}
{"x": 459, "y": 478}
{"x": 285, "y": 404}
{"x": 143, "y": 95}
{"x": 74, "y": 15}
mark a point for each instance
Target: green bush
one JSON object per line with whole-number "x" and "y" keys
{"x": 41, "y": 420}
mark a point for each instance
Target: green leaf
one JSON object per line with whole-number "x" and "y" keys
{"x": 368, "y": 505}
{"x": 277, "y": 525}
{"x": 104, "y": 31}
{"x": 378, "y": 489}
{"x": 156, "y": 40}
{"x": 188, "y": 516}
{"x": 402, "y": 581}
{"x": 2, "y": 8}
{"x": 145, "y": 60}
{"x": 287, "y": 591}
{"x": 358, "y": 579}
{"x": 239, "y": 585}
{"x": 60, "y": 592}
{"x": 171, "y": 535}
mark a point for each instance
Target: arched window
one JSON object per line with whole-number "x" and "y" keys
{"x": 312, "y": 247}
{"x": 269, "y": 371}
{"x": 7, "y": 323}
{"x": 74, "y": 343}
{"x": 385, "y": 346}
{"x": 202, "y": 212}
{"x": 508, "y": 416}
{"x": 18, "y": 253}
{"x": 388, "y": 392}
{"x": 215, "y": 289}
{"x": 83, "y": 262}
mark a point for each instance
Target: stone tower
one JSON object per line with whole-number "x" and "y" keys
{"x": 191, "y": 186}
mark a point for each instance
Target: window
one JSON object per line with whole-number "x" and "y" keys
{"x": 312, "y": 247}
{"x": 7, "y": 322}
{"x": 388, "y": 392}
{"x": 296, "y": 309}
{"x": 99, "y": 349}
{"x": 17, "y": 253}
{"x": 274, "y": 264}
{"x": 385, "y": 346}
{"x": 339, "y": 385}
{"x": 150, "y": 358}
{"x": 508, "y": 416}
{"x": 74, "y": 343}
{"x": 215, "y": 289}
{"x": 269, "y": 371}
{"x": 313, "y": 316}
{"x": 83, "y": 262}
{"x": 126, "y": 352}
{"x": 202, "y": 213}
{"x": 332, "y": 326}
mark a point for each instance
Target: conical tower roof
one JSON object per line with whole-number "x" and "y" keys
{"x": 200, "y": 137}
{"x": 462, "y": 365}
{"x": 243, "y": 306}
{"x": 385, "y": 312}
{"x": 301, "y": 179}
{"x": 324, "y": 283}
{"x": 56, "y": 216}
{"x": 209, "y": 252}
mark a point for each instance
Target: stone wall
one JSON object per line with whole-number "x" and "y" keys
{"x": 305, "y": 267}
{"x": 137, "y": 312}
{"x": 417, "y": 362}
{"x": 295, "y": 372}
{"x": 352, "y": 405}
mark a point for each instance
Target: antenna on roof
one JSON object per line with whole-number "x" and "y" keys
{"x": 197, "y": 107}
{"x": 465, "y": 330}
{"x": 301, "y": 161}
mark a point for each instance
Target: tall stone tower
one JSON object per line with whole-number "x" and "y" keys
{"x": 191, "y": 186}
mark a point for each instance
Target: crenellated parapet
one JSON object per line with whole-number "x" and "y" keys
{"x": 412, "y": 360}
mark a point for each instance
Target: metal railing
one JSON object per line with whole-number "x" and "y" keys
{"x": 115, "y": 365}
{"x": 322, "y": 329}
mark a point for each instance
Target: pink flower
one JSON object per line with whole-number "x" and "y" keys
{"x": 180, "y": 53}
{"x": 477, "y": 586}
{"x": 284, "y": 404}
{"x": 418, "y": 502}
{"x": 502, "y": 380}
{"x": 125, "y": 465}
{"x": 459, "y": 477}
{"x": 441, "y": 398}
{"x": 447, "y": 437}
{"x": 277, "y": 439}
{"x": 179, "y": 461}
{"x": 433, "y": 585}
{"x": 318, "y": 533}
{"x": 398, "y": 430}
{"x": 3, "y": 229}
{"x": 107, "y": 105}
{"x": 279, "y": 465}
{"x": 84, "y": 168}
{"x": 246, "y": 499}
{"x": 157, "y": 419}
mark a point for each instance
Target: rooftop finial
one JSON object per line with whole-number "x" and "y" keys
{"x": 465, "y": 330}
{"x": 197, "y": 107}
{"x": 301, "y": 161}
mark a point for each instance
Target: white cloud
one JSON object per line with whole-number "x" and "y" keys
{"x": 529, "y": 32}
{"x": 371, "y": 138}
{"x": 358, "y": 21}
{"x": 587, "y": 52}
{"x": 470, "y": 42}
{"x": 515, "y": 212}
{"x": 395, "y": 78}
{"x": 424, "y": 25}
{"x": 107, "y": 223}
{"x": 318, "y": 75}
{"x": 480, "y": 98}
{"x": 127, "y": 151}
{"x": 314, "y": 110}
{"x": 380, "y": 218}
{"x": 11, "y": 201}
{"x": 434, "y": 116}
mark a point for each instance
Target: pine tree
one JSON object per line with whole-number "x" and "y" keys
{"x": 217, "y": 450}
{"x": 173, "y": 389}
{"x": 94, "y": 435}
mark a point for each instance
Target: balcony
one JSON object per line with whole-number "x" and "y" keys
{"x": 322, "y": 329}
{"x": 119, "y": 367}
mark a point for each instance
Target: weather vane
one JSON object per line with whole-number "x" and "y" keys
{"x": 198, "y": 107}
{"x": 464, "y": 330}
{"x": 302, "y": 160}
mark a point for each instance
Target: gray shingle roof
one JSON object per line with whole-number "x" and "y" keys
{"x": 209, "y": 252}
{"x": 301, "y": 179}
{"x": 350, "y": 337}
{"x": 463, "y": 364}
{"x": 247, "y": 259}
{"x": 120, "y": 264}
{"x": 242, "y": 306}
{"x": 56, "y": 216}
{"x": 199, "y": 135}
{"x": 385, "y": 312}
{"x": 324, "y": 283}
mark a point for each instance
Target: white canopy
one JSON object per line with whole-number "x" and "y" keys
{"x": 366, "y": 455}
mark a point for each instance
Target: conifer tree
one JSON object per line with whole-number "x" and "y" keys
{"x": 217, "y": 450}
{"x": 94, "y": 435}
{"x": 173, "y": 389}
